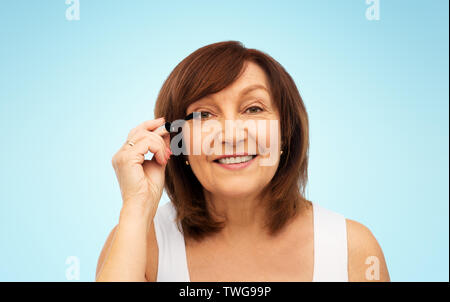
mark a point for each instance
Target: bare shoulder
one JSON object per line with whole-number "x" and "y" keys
{"x": 366, "y": 260}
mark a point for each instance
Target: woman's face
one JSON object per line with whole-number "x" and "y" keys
{"x": 217, "y": 133}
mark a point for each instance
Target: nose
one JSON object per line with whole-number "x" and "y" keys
{"x": 233, "y": 135}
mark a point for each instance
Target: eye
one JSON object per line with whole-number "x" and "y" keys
{"x": 204, "y": 114}
{"x": 254, "y": 109}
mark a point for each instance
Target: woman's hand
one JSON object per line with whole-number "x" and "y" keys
{"x": 124, "y": 255}
{"x": 142, "y": 181}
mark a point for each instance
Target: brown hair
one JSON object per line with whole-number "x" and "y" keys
{"x": 206, "y": 71}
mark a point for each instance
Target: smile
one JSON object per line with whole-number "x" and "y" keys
{"x": 235, "y": 162}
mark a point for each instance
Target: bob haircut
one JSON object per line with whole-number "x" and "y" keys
{"x": 208, "y": 70}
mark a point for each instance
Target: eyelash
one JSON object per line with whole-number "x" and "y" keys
{"x": 255, "y": 107}
{"x": 201, "y": 112}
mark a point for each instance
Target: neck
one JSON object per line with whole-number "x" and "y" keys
{"x": 244, "y": 215}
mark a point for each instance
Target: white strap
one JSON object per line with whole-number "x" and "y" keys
{"x": 330, "y": 246}
{"x": 172, "y": 263}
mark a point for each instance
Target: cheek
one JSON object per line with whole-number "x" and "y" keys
{"x": 199, "y": 138}
{"x": 193, "y": 138}
{"x": 188, "y": 139}
{"x": 267, "y": 135}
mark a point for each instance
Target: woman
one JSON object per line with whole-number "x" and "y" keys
{"x": 232, "y": 218}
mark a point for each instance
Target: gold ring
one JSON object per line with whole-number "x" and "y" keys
{"x": 130, "y": 143}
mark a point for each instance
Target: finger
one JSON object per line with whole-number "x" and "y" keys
{"x": 154, "y": 144}
{"x": 161, "y": 130}
{"x": 165, "y": 143}
{"x": 145, "y": 126}
{"x": 140, "y": 133}
{"x": 165, "y": 140}
{"x": 137, "y": 133}
{"x": 136, "y": 136}
{"x": 162, "y": 134}
{"x": 151, "y": 124}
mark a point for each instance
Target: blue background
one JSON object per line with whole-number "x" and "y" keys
{"x": 376, "y": 93}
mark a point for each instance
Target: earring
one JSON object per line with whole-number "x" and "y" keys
{"x": 281, "y": 152}
{"x": 187, "y": 163}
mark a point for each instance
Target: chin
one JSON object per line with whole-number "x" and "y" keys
{"x": 237, "y": 187}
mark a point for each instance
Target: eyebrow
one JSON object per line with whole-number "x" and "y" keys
{"x": 248, "y": 89}
{"x": 253, "y": 87}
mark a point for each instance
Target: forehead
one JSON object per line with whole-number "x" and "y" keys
{"x": 253, "y": 76}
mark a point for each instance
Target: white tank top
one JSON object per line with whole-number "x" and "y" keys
{"x": 330, "y": 246}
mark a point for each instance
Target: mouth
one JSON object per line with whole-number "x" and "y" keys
{"x": 235, "y": 162}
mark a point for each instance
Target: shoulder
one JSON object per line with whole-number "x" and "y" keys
{"x": 365, "y": 257}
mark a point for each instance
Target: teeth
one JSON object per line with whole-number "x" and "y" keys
{"x": 235, "y": 160}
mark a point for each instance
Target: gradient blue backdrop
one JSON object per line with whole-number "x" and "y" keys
{"x": 376, "y": 93}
